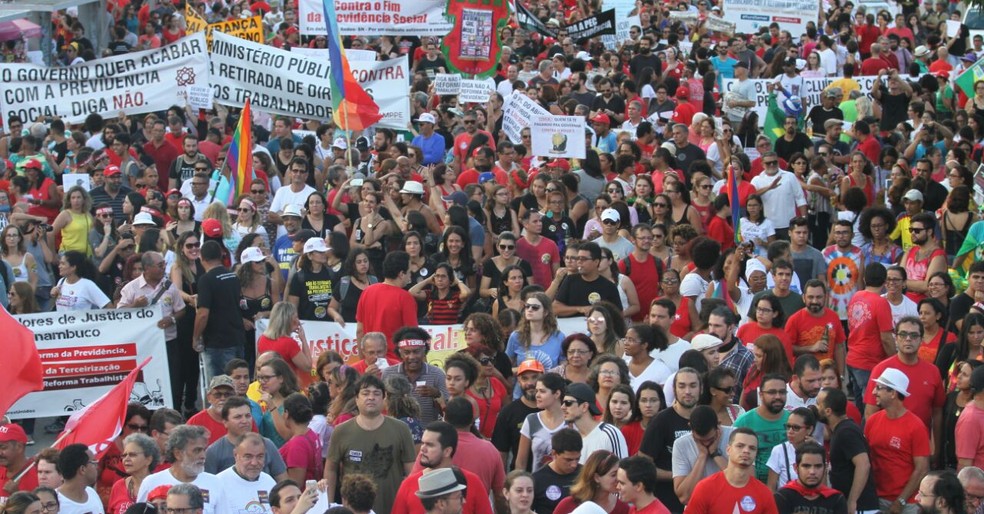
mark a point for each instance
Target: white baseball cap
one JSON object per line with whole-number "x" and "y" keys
{"x": 251, "y": 254}
{"x": 340, "y": 143}
{"x": 611, "y": 214}
{"x": 427, "y": 118}
{"x": 315, "y": 244}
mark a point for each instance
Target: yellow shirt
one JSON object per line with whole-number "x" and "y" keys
{"x": 75, "y": 235}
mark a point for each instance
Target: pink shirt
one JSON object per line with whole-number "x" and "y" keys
{"x": 970, "y": 435}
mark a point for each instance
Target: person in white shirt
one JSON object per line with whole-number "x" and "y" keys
{"x": 80, "y": 469}
{"x": 779, "y": 187}
{"x": 147, "y": 289}
{"x": 295, "y": 193}
{"x": 186, "y": 449}
{"x": 245, "y": 486}
{"x": 580, "y": 408}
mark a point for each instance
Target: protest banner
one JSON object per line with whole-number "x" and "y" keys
{"x": 684, "y": 16}
{"x": 597, "y": 25}
{"x": 447, "y": 83}
{"x": 133, "y": 83}
{"x": 530, "y": 22}
{"x": 558, "y": 136}
{"x": 750, "y": 15}
{"x": 518, "y": 111}
{"x": 377, "y": 17}
{"x": 250, "y": 29}
{"x": 85, "y": 353}
{"x": 812, "y": 89}
{"x": 289, "y": 83}
{"x": 353, "y": 55}
{"x": 622, "y": 8}
{"x": 719, "y": 24}
{"x": 476, "y": 90}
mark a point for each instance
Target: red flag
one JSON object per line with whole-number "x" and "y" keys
{"x": 24, "y": 372}
{"x": 103, "y": 419}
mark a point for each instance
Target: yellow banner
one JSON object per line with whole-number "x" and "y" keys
{"x": 250, "y": 29}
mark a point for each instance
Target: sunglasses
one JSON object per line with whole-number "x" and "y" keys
{"x": 192, "y": 245}
{"x": 533, "y": 307}
{"x": 609, "y": 222}
{"x": 258, "y": 191}
{"x": 507, "y": 247}
{"x": 139, "y": 428}
{"x": 770, "y": 163}
{"x": 568, "y": 403}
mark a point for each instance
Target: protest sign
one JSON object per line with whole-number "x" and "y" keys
{"x": 322, "y": 53}
{"x": 250, "y": 29}
{"x": 719, "y": 24}
{"x": 684, "y": 16}
{"x": 76, "y": 179}
{"x": 85, "y": 353}
{"x": 133, "y": 83}
{"x": 518, "y": 111}
{"x": 530, "y": 22}
{"x": 750, "y": 15}
{"x": 624, "y": 25}
{"x": 288, "y": 83}
{"x": 447, "y": 83}
{"x": 622, "y": 8}
{"x": 812, "y": 89}
{"x": 377, "y": 17}
{"x": 597, "y": 25}
{"x": 476, "y": 90}
{"x": 558, "y": 136}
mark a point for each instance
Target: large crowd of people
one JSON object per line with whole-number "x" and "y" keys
{"x": 816, "y": 349}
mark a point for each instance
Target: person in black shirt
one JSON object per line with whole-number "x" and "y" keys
{"x": 312, "y": 287}
{"x": 809, "y": 492}
{"x": 552, "y": 482}
{"x": 219, "y": 335}
{"x": 665, "y": 428}
{"x": 645, "y": 58}
{"x": 848, "y": 450}
{"x": 793, "y": 141}
{"x": 505, "y": 436}
{"x": 577, "y": 293}
{"x": 827, "y": 110}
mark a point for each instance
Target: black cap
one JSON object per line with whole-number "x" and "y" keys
{"x": 741, "y": 64}
{"x": 790, "y": 62}
{"x": 303, "y": 235}
{"x": 584, "y": 394}
{"x": 362, "y": 144}
{"x": 977, "y": 379}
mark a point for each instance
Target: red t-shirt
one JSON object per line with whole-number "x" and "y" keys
{"x": 215, "y": 427}
{"x": 925, "y": 387}
{"x": 386, "y": 308}
{"x": 684, "y": 113}
{"x": 163, "y": 157}
{"x": 681, "y": 320}
{"x": 476, "y": 495}
{"x": 803, "y": 329}
{"x": 29, "y": 481}
{"x": 463, "y": 140}
{"x": 119, "y": 498}
{"x": 871, "y": 149}
{"x": 361, "y": 366}
{"x": 892, "y": 445}
{"x": 655, "y": 507}
{"x": 868, "y": 315}
{"x": 488, "y": 410}
{"x": 541, "y": 258}
{"x": 751, "y": 331}
{"x": 645, "y": 277}
{"x": 714, "y": 495}
{"x": 928, "y": 350}
{"x": 719, "y": 230}
{"x": 969, "y": 435}
{"x": 633, "y": 433}
{"x": 285, "y": 346}
{"x": 304, "y": 451}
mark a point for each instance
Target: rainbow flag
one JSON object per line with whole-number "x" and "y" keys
{"x": 352, "y": 107}
{"x": 239, "y": 160}
{"x": 735, "y": 203}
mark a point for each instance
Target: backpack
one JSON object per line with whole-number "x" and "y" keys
{"x": 346, "y": 282}
{"x": 660, "y": 267}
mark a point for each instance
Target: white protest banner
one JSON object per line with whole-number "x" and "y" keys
{"x": 684, "y": 16}
{"x": 322, "y": 53}
{"x": 133, "y": 83}
{"x": 750, "y": 15}
{"x": 377, "y": 17}
{"x": 719, "y": 24}
{"x": 476, "y": 90}
{"x": 288, "y": 83}
{"x": 952, "y": 28}
{"x": 623, "y": 25}
{"x": 518, "y": 111}
{"x": 447, "y": 83}
{"x": 85, "y": 353}
{"x": 622, "y": 7}
{"x": 200, "y": 97}
{"x": 77, "y": 179}
{"x": 558, "y": 136}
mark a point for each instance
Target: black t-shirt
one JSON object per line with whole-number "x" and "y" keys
{"x": 800, "y": 143}
{"x": 505, "y": 435}
{"x": 959, "y": 308}
{"x": 314, "y": 290}
{"x": 642, "y": 61}
{"x": 657, "y": 443}
{"x": 489, "y": 269}
{"x": 432, "y": 68}
{"x": 934, "y": 197}
{"x": 894, "y": 108}
{"x": 688, "y": 154}
{"x": 818, "y": 116}
{"x": 574, "y": 291}
{"x": 219, "y": 292}
{"x": 846, "y": 442}
{"x": 615, "y": 104}
{"x": 788, "y": 500}
{"x": 182, "y": 170}
{"x": 549, "y": 488}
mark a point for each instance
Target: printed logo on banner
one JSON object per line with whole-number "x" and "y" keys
{"x": 558, "y": 136}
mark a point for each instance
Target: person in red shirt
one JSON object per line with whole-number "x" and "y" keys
{"x": 867, "y": 143}
{"x": 463, "y": 141}
{"x": 869, "y": 325}
{"x": 926, "y": 395}
{"x": 14, "y": 461}
{"x": 807, "y": 328}
{"x": 735, "y": 489}
{"x": 637, "y": 485}
{"x": 644, "y": 270}
{"x": 684, "y": 111}
{"x": 386, "y": 307}
{"x": 766, "y": 318}
{"x": 220, "y": 389}
{"x": 898, "y": 443}
{"x": 372, "y": 348}
{"x": 719, "y": 226}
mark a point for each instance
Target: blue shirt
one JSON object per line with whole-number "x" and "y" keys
{"x": 547, "y": 353}
{"x": 434, "y": 148}
{"x": 725, "y": 68}
{"x": 283, "y": 249}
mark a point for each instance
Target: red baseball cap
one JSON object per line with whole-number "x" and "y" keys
{"x": 111, "y": 171}
{"x": 33, "y": 164}
{"x": 212, "y": 227}
{"x": 601, "y": 118}
{"x": 560, "y": 163}
{"x": 12, "y": 432}
{"x": 683, "y": 92}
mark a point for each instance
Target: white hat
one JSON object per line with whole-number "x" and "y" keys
{"x": 702, "y": 342}
{"x": 611, "y": 214}
{"x": 913, "y": 195}
{"x": 412, "y": 187}
{"x": 251, "y": 254}
{"x": 921, "y": 51}
{"x": 427, "y": 118}
{"x": 315, "y": 244}
{"x": 800, "y": 64}
{"x": 583, "y": 55}
{"x": 894, "y": 380}
{"x": 437, "y": 483}
{"x": 589, "y": 507}
{"x": 291, "y": 210}
{"x": 753, "y": 265}
{"x": 340, "y": 143}
{"x": 143, "y": 218}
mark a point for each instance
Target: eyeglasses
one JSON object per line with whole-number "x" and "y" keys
{"x": 705, "y": 186}
{"x": 770, "y": 163}
{"x": 908, "y": 335}
{"x": 533, "y": 307}
{"x": 507, "y": 247}
{"x": 660, "y": 204}
{"x": 50, "y": 506}
{"x": 192, "y": 245}
{"x": 795, "y": 428}
{"x": 264, "y": 378}
{"x": 608, "y": 373}
{"x": 916, "y": 230}
{"x": 670, "y": 281}
{"x": 485, "y": 361}
{"x": 763, "y": 309}
{"x": 141, "y": 428}
{"x": 469, "y": 122}
{"x": 568, "y": 403}
{"x": 258, "y": 191}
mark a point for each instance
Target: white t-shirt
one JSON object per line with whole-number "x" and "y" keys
{"x": 244, "y": 496}
{"x": 540, "y": 446}
{"x": 604, "y": 437}
{"x": 780, "y": 203}
{"x": 783, "y": 462}
{"x": 906, "y": 308}
{"x": 80, "y": 296}
{"x": 694, "y": 285}
{"x": 671, "y": 355}
{"x": 657, "y": 371}
{"x": 285, "y": 197}
{"x": 828, "y": 62}
{"x": 92, "y": 505}
{"x": 209, "y": 484}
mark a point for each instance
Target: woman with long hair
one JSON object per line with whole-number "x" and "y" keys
{"x": 607, "y": 372}
{"x": 957, "y": 219}
{"x": 755, "y": 227}
{"x": 682, "y": 237}
{"x": 42, "y": 194}
{"x": 537, "y": 336}
{"x": 136, "y": 419}
{"x": 455, "y": 250}
{"x": 460, "y": 373}
{"x": 484, "y": 338}
{"x": 932, "y": 314}
{"x": 799, "y": 428}
{"x": 14, "y": 253}
{"x": 579, "y": 351}
{"x": 279, "y": 337}
{"x": 373, "y": 229}
{"x": 956, "y": 400}
{"x": 22, "y": 502}
{"x": 499, "y": 216}
{"x": 640, "y": 341}
{"x": 769, "y": 357}
{"x": 623, "y": 412}
{"x": 509, "y": 293}
{"x": 895, "y": 290}
{"x": 185, "y": 273}
{"x": 402, "y": 406}
{"x": 73, "y": 223}
{"x": 343, "y": 388}
{"x": 875, "y": 224}
{"x": 766, "y": 318}
{"x": 184, "y": 219}
{"x": 940, "y": 287}
{"x": 77, "y": 290}
{"x": 327, "y": 362}
{"x": 660, "y": 249}
{"x": 260, "y": 288}
{"x": 21, "y": 299}
{"x": 248, "y": 221}
{"x": 596, "y": 482}
{"x": 277, "y": 382}
{"x": 859, "y": 175}
{"x": 650, "y": 401}
{"x": 306, "y": 291}
{"x": 605, "y": 328}
{"x": 627, "y": 294}
{"x": 316, "y": 216}
{"x": 445, "y": 295}
{"x": 133, "y": 202}
{"x": 421, "y": 263}
{"x": 493, "y": 268}
{"x": 140, "y": 458}
{"x": 355, "y": 279}
{"x": 302, "y": 451}
{"x": 719, "y": 394}
{"x": 967, "y": 347}
{"x": 670, "y": 285}
{"x": 538, "y": 427}
{"x": 229, "y": 238}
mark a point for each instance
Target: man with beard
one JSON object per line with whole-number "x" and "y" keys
{"x": 437, "y": 448}
{"x": 805, "y": 384}
{"x": 577, "y": 293}
{"x": 816, "y": 330}
{"x": 645, "y": 58}
{"x": 186, "y": 450}
{"x": 579, "y": 89}
{"x": 941, "y": 492}
{"x": 482, "y": 159}
{"x": 505, "y": 436}
{"x": 768, "y": 420}
{"x": 925, "y": 258}
{"x": 412, "y": 344}
{"x": 809, "y": 492}
{"x": 736, "y": 485}
{"x": 580, "y": 408}
{"x": 850, "y": 465}
{"x": 701, "y": 453}
{"x": 899, "y": 441}
{"x": 845, "y": 263}
{"x": 463, "y": 140}
{"x": 245, "y": 485}
{"x": 608, "y": 102}
{"x": 429, "y": 141}
{"x": 183, "y": 168}
{"x": 926, "y": 395}
{"x": 112, "y": 192}
{"x": 663, "y": 431}
{"x": 732, "y": 353}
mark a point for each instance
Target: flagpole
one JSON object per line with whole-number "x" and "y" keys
{"x": 30, "y": 466}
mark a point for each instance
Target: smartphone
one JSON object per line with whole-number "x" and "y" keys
{"x": 310, "y": 485}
